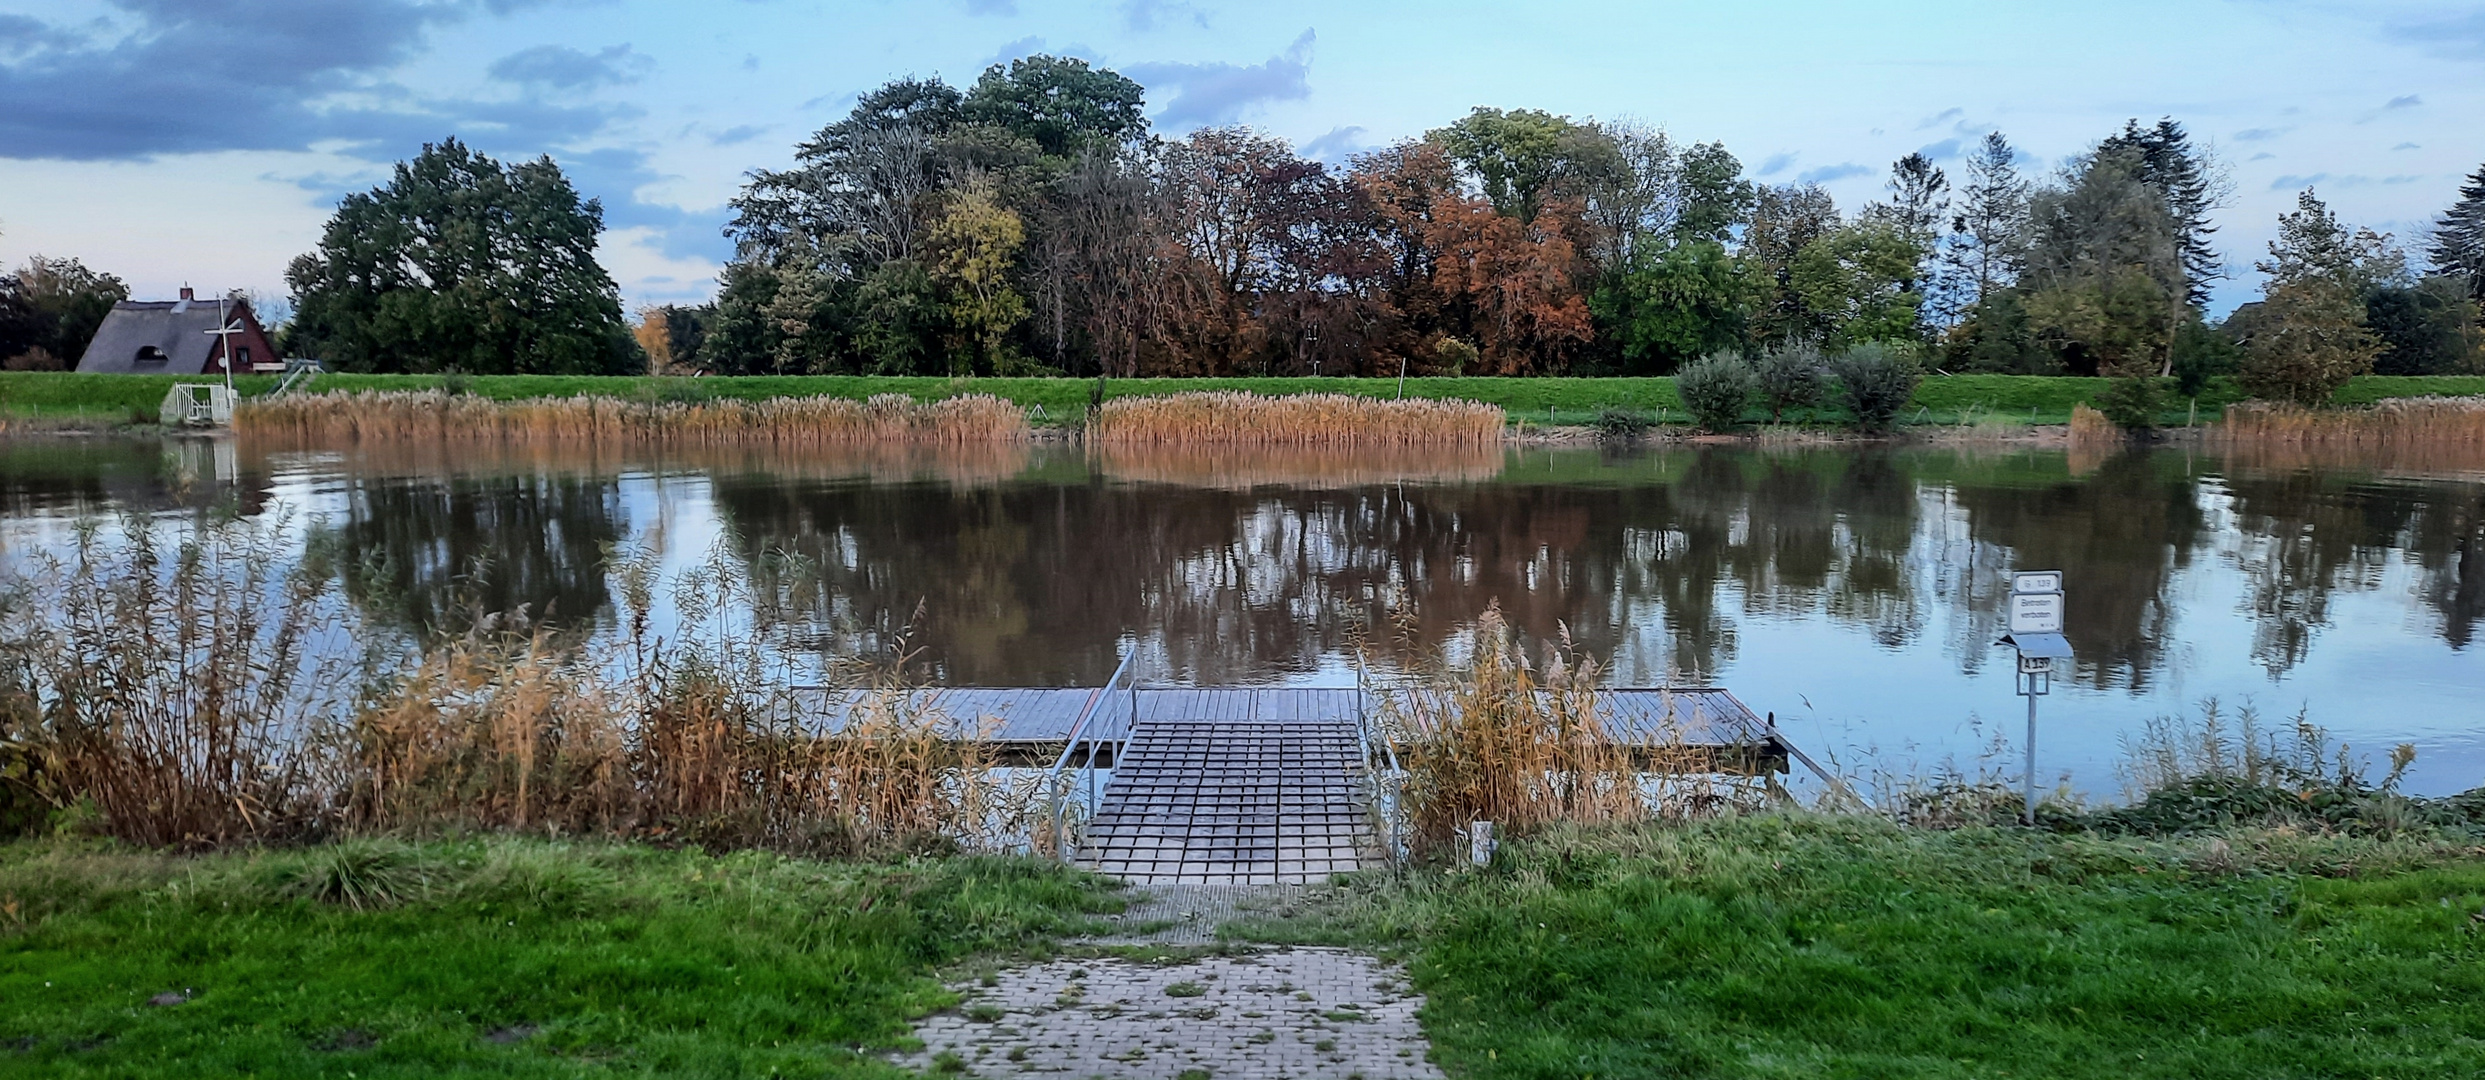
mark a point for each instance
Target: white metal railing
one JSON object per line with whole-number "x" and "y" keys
{"x": 1063, "y": 849}
{"x": 1387, "y": 780}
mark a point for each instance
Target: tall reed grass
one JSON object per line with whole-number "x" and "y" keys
{"x": 788, "y": 421}
{"x": 1230, "y": 417}
{"x": 2429, "y": 434}
{"x": 1487, "y": 737}
{"x": 964, "y": 464}
{"x": 203, "y": 698}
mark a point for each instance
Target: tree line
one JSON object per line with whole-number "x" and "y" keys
{"x": 1033, "y": 223}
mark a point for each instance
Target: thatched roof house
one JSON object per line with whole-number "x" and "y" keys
{"x": 178, "y": 337}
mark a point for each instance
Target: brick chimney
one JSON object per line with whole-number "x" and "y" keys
{"x": 186, "y": 294}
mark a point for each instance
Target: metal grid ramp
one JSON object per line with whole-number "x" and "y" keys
{"x": 1233, "y": 802}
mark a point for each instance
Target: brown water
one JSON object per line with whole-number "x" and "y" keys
{"x": 1855, "y": 592}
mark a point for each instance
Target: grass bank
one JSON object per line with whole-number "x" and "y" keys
{"x": 500, "y": 957}
{"x": 1942, "y": 399}
{"x": 1809, "y": 945}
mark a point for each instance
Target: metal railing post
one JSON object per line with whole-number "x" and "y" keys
{"x": 1069, "y": 748}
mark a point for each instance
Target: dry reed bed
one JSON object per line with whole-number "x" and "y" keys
{"x": 189, "y": 694}
{"x": 1235, "y": 417}
{"x": 788, "y": 421}
{"x": 2407, "y": 435}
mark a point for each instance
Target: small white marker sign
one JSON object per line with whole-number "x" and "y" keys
{"x": 2037, "y": 581}
{"x": 2036, "y": 613}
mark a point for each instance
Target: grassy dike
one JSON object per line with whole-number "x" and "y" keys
{"x": 501, "y": 957}
{"x": 1942, "y": 399}
{"x": 1804, "y": 946}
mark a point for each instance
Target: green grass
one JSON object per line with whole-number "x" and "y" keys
{"x": 1806, "y": 946}
{"x": 1943, "y": 399}
{"x": 493, "y": 958}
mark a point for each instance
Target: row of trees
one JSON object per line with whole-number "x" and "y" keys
{"x": 1032, "y": 223}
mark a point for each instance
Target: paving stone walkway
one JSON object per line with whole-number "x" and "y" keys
{"x": 1293, "y": 1014}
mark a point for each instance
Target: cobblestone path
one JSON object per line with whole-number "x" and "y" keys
{"x": 1290, "y": 1014}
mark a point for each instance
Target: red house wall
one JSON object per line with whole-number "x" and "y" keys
{"x": 251, "y": 341}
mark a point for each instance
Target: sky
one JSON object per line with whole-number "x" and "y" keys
{"x": 205, "y": 142}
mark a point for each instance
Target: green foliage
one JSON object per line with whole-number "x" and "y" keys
{"x": 1876, "y": 382}
{"x": 2202, "y": 352}
{"x": 462, "y": 262}
{"x": 2106, "y": 280}
{"x": 1791, "y": 375}
{"x": 1516, "y": 155}
{"x": 365, "y": 875}
{"x": 1060, "y": 103}
{"x": 1996, "y": 338}
{"x": 2132, "y": 402}
{"x": 1673, "y": 304}
{"x": 1858, "y": 281}
{"x": 2429, "y": 328}
{"x": 1621, "y": 423}
{"x": 1717, "y": 390}
{"x": 50, "y": 310}
{"x": 613, "y": 960}
{"x": 2308, "y": 340}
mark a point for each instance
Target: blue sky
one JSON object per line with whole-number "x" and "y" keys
{"x": 204, "y": 141}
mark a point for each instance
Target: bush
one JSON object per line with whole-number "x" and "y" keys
{"x": 1716, "y": 390}
{"x": 1614, "y": 423}
{"x": 1790, "y": 378}
{"x": 1875, "y": 382}
{"x": 2132, "y": 402}
{"x": 2308, "y": 341}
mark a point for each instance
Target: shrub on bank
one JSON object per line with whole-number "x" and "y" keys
{"x": 1790, "y": 377}
{"x": 1876, "y": 381}
{"x": 1716, "y": 390}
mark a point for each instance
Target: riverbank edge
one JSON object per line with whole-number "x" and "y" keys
{"x": 1545, "y": 407}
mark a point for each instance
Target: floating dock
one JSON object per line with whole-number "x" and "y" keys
{"x": 1244, "y": 786}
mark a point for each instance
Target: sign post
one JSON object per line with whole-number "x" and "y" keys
{"x": 2036, "y": 635}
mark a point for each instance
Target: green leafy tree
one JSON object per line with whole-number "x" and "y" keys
{"x": 1857, "y": 283}
{"x": 1673, "y": 304}
{"x": 2202, "y": 352}
{"x": 1714, "y": 199}
{"x": 975, "y": 245}
{"x": 2105, "y": 271}
{"x": 462, "y": 263}
{"x": 1060, "y": 103}
{"x": 1784, "y": 221}
{"x": 1997, "y": 337}
{"x": 50, "y": 309}
{"x": 1516, "y": 156}
{"x": 2309, "y": 337}
{"x": 2428, "y": 328}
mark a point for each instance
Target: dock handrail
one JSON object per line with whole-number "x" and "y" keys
{"x": 1384, "y": 801}
{"x": 1052, "y": 778}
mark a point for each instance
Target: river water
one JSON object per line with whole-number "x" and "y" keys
{"x": 1854, "y": 591}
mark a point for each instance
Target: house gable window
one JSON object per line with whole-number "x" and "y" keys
{"x": 150, "y": 356}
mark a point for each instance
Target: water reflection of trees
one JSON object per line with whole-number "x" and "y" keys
{"x": 426, "y": 555}
{"x": 2300, "y": 537}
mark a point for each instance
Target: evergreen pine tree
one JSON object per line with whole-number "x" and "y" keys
{"x": 2168, "y": 163}
{"x": 2458, "y": 248}
{"x": 1982, "y": 253}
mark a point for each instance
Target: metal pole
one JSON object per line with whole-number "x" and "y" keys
{"x": 2031, "y": 777}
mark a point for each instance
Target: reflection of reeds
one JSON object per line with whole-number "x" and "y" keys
{"x": 970, "y": 463}
{"x": 190, "y": 704}
{"x": 2438, "y": 435}
{"x": 788, "y": 421}
{"x": 1490, "y": 740}
{"x": 1319, "y": 466}
{"x": 1304, "y": 419}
